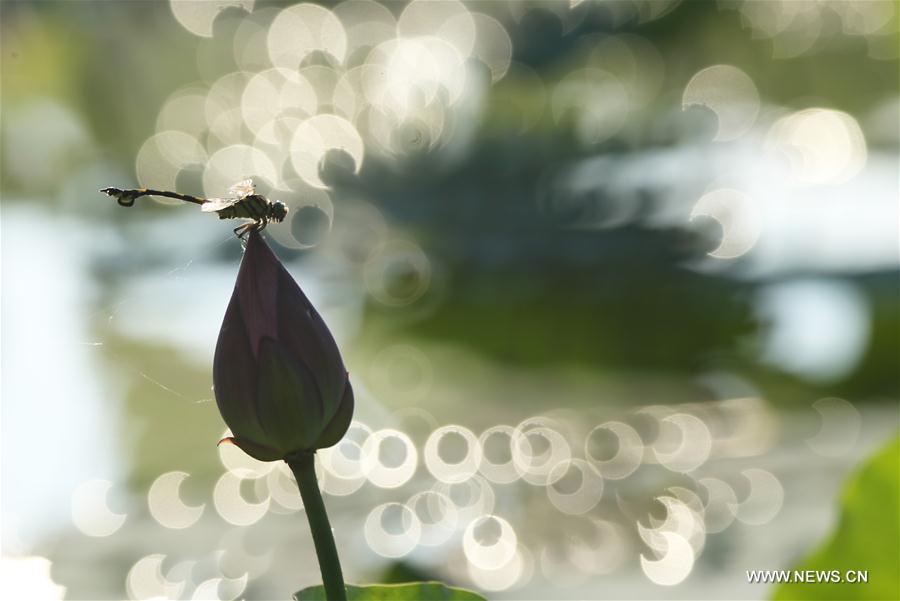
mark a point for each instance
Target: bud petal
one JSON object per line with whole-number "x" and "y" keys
{"x": 290, "y": 408}
{"x": 235, "y": 375}
{"x": 304, "y": 334}
{"x": 338, "y": 425}
{"x": 257, "y": 289}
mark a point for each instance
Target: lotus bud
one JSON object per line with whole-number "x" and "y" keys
{"x": 279, "y": 379}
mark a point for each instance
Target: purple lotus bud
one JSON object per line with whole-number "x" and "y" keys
{"x": 279, "y": 379}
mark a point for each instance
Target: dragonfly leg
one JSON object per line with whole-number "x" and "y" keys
{"x": 241, "y": 230}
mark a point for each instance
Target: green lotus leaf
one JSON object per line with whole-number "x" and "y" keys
{"x": 410, "y": 591}
{"x": 865, "y": 538}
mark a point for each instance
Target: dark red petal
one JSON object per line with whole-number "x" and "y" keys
{"x": 235, "y": 375}
{"x": 257, "y": 451}
{"x": 257, "y": 287}
{"x": 306, "y": 337}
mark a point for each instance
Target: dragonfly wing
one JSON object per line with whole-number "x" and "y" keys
{"x": 242, "y": 189}
{"x": 217, "y": 204}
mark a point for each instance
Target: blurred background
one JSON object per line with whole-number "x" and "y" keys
{"x": 616, "y": 282}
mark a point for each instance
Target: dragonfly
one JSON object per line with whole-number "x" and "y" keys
{"x": 241, "y": 202}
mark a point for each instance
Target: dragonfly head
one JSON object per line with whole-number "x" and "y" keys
{"x": 279, "y": 211}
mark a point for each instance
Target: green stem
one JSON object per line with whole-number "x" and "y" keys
{"x": 303, "y": 466}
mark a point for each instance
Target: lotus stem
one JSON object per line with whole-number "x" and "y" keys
{"x": 303, "y": 466}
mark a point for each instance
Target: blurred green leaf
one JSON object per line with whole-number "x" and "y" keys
{"x": 402, "y": 572}
{"x": 411, "y": 591}
{"x": 865, "y": 539}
